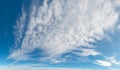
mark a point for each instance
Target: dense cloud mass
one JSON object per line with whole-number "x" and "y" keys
{"x": 60, "y": 26}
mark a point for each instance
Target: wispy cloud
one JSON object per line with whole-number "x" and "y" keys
{"x": 113, "y": 60}
{"x": 19, "y": 28}
{"x": 36, "y": 68}
{"x": 61, "y": 26}
{"x": 103, "y": 63}
{"x": 87, "y": 52}
{"x": 108, "y": 61}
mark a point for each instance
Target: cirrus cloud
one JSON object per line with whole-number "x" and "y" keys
{"x": 60, "y": 26}
{"x": 103, "y": 63}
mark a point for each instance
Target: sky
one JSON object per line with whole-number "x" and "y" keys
{"x": 59, "y": 34}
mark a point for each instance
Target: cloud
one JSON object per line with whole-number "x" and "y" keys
{"x": 118, "y": 27}
{"x": 103, "y": 63}
{"x": 36, "y": 68}
{"x": 113, "y": 60}
{"x": 108, "y": 61}
{"x": 87, "y": 52}
{"x": 20, "y": 24}
{"x": 60, "y": 26}
{"x": 27, "y": 68}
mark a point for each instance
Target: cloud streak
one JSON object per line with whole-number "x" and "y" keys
{"x": 60, "y": 26}
{"x": 35, "y": 68}
{"x": 103, "y": 63}
{"x": 108, "y": 62}
{"x": 87, "y": 52}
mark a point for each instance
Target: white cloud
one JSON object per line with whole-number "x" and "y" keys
{"x": 103, "y": 63}
{"x": 36, "y": 68}
{"x": 88, "y": 52}
{"x": 65, "y": 25}
{"x": 27, "y": 68}
{"x": 108, "y": 61}
{"x": 20, "y": 27}
{"x": 113, "y": 60}
{"x": 117, "y": 2}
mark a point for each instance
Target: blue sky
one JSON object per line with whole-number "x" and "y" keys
{"x": 59, "y": 34}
